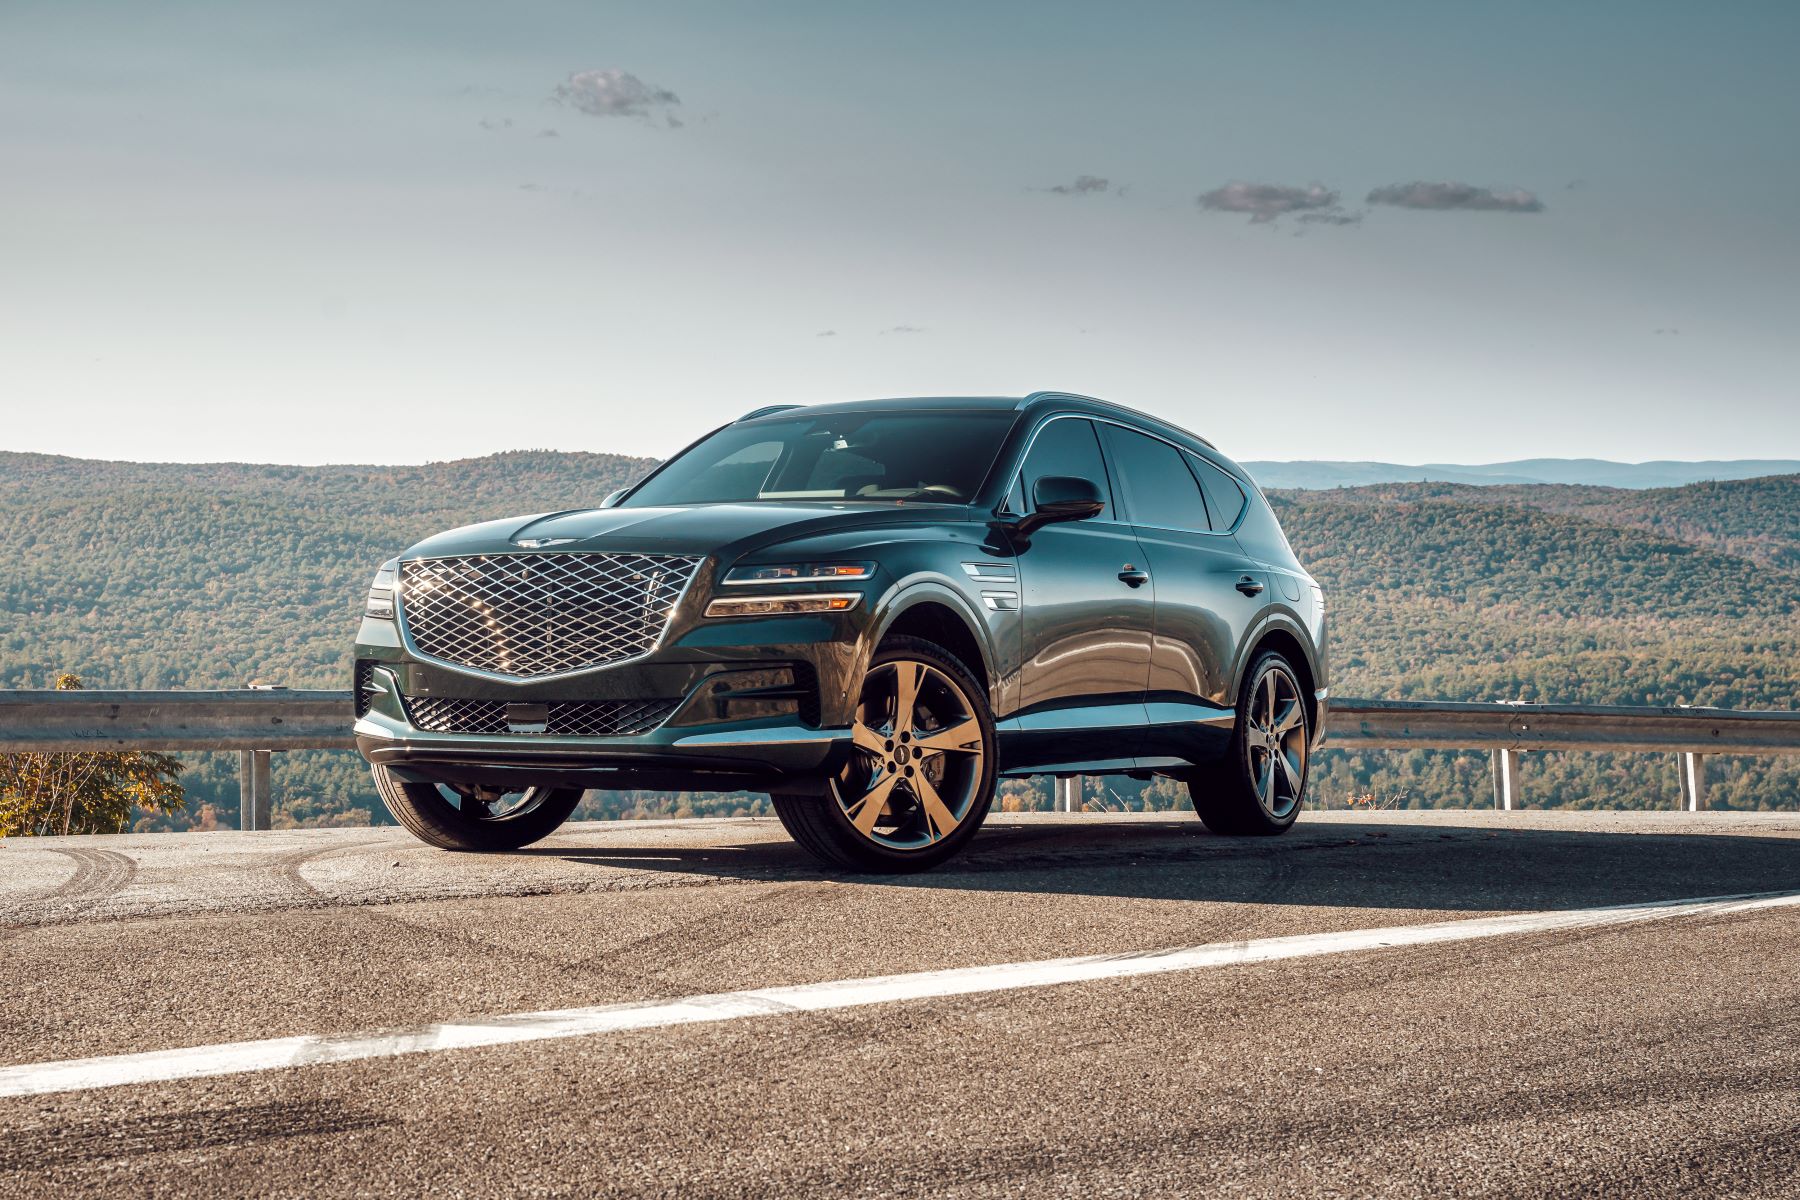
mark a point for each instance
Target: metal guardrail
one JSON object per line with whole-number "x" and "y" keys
{"x": 1508, "y": 730}
{"x": 252, "y": 719}
{"x": 254, "y": 722}
{"x": 258, "y": 722}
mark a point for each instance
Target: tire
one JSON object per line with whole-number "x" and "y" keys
{"x": 929, "y": 770}
{"x": 442, "y": 818}
{"x": 1233, "y": 795}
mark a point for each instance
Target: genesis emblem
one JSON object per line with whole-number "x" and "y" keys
{"x": 540, "y": 543}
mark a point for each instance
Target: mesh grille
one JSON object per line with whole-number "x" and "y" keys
{"x": 599, "y": 718}
{"x": 531, "y": 615}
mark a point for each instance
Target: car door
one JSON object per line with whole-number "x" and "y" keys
{"x": 1208, "y": 593}
{"x": 1087, "y": 620}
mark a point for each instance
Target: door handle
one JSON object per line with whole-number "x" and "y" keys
{"x": 1133, "y": 576}
{"x": 1250, "y": 586}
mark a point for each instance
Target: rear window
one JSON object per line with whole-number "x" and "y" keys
{"x": 1224, "y": 498}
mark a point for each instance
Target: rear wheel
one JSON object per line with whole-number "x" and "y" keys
{"x": 467, "y": 817}
{"x": 1259, "y": 784}
{"x": 921, "y": 770}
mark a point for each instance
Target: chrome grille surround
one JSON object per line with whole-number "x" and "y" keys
{"x": 572, "y": 718}
{"x": 532, "y": 616}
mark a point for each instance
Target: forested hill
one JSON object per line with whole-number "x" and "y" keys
{"x": 206, "y": 575}
{"x": 136, "y": 575}
{"x": 1325, "y": 473}
{"x": 1459, "y": 593}
{"x": 1758, "y": 519}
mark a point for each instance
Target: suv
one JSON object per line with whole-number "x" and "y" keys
{"x": 868, "y": 611}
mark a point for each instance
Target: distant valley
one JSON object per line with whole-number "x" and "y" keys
{"x": 1328, "y": 473}
{"x": 169, "y": 575}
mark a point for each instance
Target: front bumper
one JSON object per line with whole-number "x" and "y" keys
{"x": 703, "y": 746}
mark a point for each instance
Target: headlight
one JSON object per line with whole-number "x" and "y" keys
{"x": 799, "y": 573}
{"x": 765, "y": 606}
{"x": 381, "y": 591}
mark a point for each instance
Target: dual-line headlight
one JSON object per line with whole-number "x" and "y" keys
{"x": 799, "y": 573}
{"x": 382, "y": 589}
{"x": 765, "y": 604}
{"x": 381, "y": 592}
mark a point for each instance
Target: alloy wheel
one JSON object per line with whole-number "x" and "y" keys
{"x": 1277, "y": 743}
{"x": 917, "y": 767}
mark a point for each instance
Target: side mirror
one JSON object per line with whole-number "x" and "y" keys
{"x": 1061, "y": 498}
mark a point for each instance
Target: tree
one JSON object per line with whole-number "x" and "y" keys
{"x": 42, "y": 794}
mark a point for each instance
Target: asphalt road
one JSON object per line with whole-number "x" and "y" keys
{"x": 1657, "y": 1057}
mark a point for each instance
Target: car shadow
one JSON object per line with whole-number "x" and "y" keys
{"x": 1377, "y": 863}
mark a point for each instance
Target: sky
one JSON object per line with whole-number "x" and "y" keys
{"x": 345, "y": 232}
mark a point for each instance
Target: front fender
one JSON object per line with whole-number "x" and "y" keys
{"x": 907, "y": 595}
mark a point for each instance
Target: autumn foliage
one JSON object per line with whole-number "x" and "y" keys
{"x": 83, "y": 793}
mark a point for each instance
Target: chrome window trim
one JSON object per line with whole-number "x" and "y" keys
{"x": 1019, "y": 467}
{"x": 407, "y": 644}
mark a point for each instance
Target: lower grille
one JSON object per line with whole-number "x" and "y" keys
{"x": 361, "y": 687}
{"x": 583, "y": 718}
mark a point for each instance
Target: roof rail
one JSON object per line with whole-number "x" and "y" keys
{"x": 765, "y": 410}
{"x": 1033, "y": 397}
{"x": 1036, "y": 396}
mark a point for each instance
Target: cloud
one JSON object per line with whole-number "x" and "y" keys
{"x": 1453, "y": 197}
{"x": 1267, "y": 201}
{"x": 548, "y": 133}
{"x": 1084, "y": 185}
{"x": 493, "y": 125}
{"x": 904, "y": 329}
{"x": 1330, "y": 218}
{"x": 826, "y": 333}
{"x": 615, "y": 93}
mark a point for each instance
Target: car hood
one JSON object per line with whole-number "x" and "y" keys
{"x": 728, "y": 530}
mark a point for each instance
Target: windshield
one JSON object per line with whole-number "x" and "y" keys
{"x": 869, "y": 457}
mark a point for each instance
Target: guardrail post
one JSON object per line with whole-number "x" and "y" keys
{"x": 1068, "y": 793}
{"x": 1693, "y": 781}
{"x": 1506, "y": 779}
{"x": 253, "y": 789}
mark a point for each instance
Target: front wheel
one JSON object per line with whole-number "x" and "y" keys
{"x": 1258, "y": 786}
{"x": 467, "y": 817}
{"x": 921, "y": 770}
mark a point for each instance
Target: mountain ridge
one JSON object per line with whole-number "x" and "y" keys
{"x": 1318, "y": 474}
{"x": 1309, "y": 474}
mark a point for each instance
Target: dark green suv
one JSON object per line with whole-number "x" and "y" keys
{"x": 869, "y": 611}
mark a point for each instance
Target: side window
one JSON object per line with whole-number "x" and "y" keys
{"x": 1224, "y": 498}
{"x": 1159, "y": 489}
{"x": 1066, "y": 447}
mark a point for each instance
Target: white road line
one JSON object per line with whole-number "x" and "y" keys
{"x": 192, "y": 1062}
